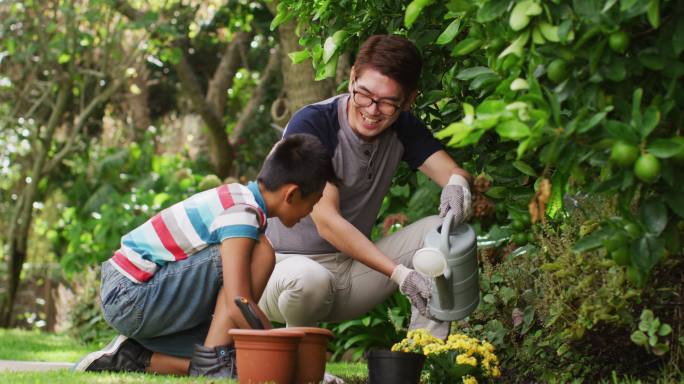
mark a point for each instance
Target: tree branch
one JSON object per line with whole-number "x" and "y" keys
{"x": 223, "y": 76}
{"x": 272, "y": 67}
{"x": 80, "y": 123}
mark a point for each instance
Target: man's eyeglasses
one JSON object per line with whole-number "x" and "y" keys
{"x": 363, "y": 100}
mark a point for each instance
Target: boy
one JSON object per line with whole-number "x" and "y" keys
{"x": 191, "y": 260}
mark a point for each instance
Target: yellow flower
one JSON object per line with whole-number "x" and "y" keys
{"x": 469, "y": 380}
{"x": 464, "y": 359}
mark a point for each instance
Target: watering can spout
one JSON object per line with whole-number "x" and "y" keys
{"x": 449, "y": 256}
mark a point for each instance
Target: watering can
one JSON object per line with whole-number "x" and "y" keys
{"x": 449, "y": 256}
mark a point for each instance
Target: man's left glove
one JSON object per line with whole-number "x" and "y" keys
{"x": 456, "y": 197}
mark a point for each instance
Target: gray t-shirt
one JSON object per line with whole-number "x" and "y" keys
{"x": 365, "y": 168}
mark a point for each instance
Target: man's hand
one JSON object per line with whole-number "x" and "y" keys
{"x": 414, "y": 286}
{"x": 456, "y": 197}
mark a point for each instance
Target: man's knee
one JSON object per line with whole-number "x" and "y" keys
{"x": 300, "y": 292}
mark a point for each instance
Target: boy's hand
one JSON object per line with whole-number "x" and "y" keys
{"x": 414, "y": 286}
{"x": 456, "y": 197}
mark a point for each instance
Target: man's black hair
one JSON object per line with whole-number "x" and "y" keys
{"x": 299, "y": 159}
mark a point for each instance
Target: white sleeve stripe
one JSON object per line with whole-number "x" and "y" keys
{"x": 184, "y": 222}
{"x": 234, "y": 218}
{"x": 138, "y": 261}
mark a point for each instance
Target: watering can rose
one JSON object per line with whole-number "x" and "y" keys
{"x": 460, "y": 357}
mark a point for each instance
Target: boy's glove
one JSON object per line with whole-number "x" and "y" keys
{"x": 456, "y": 197}
{"x": 414, "y": 286}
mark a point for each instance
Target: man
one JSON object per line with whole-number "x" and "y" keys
{"x": 327, "y": 269}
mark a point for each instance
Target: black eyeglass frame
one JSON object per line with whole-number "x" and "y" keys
{"x": 379, "y": 103}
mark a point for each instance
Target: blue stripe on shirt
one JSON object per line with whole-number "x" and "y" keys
{"x": 238, "y": 230}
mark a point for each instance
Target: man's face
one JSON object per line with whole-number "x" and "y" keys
{"x": 375, "y": 103}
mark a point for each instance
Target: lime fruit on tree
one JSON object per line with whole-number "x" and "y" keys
{"x": 557, "y": 71}
{"x": 647, "y": 168}
{"x": 623, "y": 153}
{"x": 618, "y": 41}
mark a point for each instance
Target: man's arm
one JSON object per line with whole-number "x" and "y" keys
{"x": 344, "y": 236}
{"x": 440, "y": 166}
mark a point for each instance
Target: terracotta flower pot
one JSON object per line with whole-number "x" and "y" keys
{"x": 312, "y": 354}
{"x": 387, "y": 367}
{"x": 266, "y": 355}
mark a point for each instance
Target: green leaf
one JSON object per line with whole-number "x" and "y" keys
{"x": 626, "y": 5}
{"x": 639, "y": 338}
{"x": 473, "y": 72}
{"x": 332, "y": 43}
{"x": 524, "y": 168}
{"x": 654, "y": 13}
{"x": 298, "y": 56}
{"x": 466, "y": 46}
{"x": 619, "y": 130}
{"x": 64, "y": 58}
{"x": 666, "y": 148}
{"x": 664, "y": 330}
{"x": 675, "y": 200}
{"x": 492, "y": 10}
{"x": 516, "y": 46}
{"x": 654, "y": 216}
{"x": 647, "y": 251}
{"x": 513, "y": 129}
{"x": 678, "y": 39}
{"x": 490, "y": 109}
{"x": 595, "y": 120}
{"x": 590, "y": 242}
{"x": 520, "y": 15}
{"x": 652, "y": 61}
{"x": 413, "y": 10}
{"x": 280, "y": 18}
{"x": 650, "y": 120}
{"x": 450, "y": 32}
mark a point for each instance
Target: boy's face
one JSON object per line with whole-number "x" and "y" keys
{"x": 375, "y": 103}
{"x": 298, "y": 207}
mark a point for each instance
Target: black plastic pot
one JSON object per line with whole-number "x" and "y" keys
{"x": 387, "y": 367}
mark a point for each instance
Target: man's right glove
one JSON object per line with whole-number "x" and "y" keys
{"x": 414, "y": 286}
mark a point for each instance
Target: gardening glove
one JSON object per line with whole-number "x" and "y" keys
{"x": 456, "y": 197}
{"x": 414, "y": 286}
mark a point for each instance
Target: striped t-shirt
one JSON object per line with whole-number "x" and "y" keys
{"x": 185, "y": 228}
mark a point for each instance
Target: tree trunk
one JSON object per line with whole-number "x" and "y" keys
{"x": 299, "y": 86}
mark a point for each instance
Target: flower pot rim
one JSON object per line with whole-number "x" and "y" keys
{"x": 385, "y": 353}
{"x": 310, "y": 330}
{"x": 265, "y": 332}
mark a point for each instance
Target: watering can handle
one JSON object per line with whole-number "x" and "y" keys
{"x": 446, "y": 229}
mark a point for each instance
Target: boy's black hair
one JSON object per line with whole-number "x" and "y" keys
{"x": 299, "y": 159}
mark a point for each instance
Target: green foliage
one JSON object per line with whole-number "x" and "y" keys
{"x": 114, "y": 192}
{"x": 85, "y": 317}
{"x": 649, "y": 332}
{"x": 535, "y": 95}
{"x": 381, "y": 327}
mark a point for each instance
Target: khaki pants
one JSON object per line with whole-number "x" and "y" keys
{"x": 306, "y": 289}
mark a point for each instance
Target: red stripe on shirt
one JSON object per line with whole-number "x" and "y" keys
{"x": 224, "y": 196}
{"x": 167, "y": 239}
{"x": 131, "y": 268}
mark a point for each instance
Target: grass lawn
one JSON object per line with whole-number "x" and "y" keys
{"x": 35, "y": 346}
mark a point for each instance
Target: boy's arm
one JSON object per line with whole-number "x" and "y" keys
{"x": 344, "y": 236}
{"x": 237, "y": 260}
